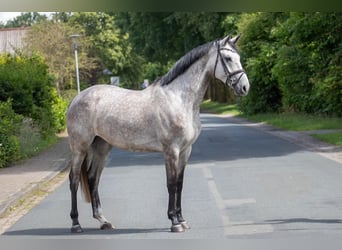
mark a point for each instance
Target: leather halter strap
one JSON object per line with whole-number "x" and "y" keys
{"x": 226, "y": 69}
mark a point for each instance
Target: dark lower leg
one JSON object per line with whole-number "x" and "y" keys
{"x": 97, "y": 211}
{"x": 96, "y": 204}
{"x": 171, "y": 212}
{"x": 179, "y": 203}
{"x": 76, "y": 227}
{"x": 100, "y": 150}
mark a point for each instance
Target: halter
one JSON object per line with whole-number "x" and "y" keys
{"x": 225, "y": 67}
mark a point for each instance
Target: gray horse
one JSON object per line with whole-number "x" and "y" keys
{"x": 165, "y": 117}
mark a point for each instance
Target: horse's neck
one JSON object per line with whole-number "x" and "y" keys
{"x": 193, "y": 84}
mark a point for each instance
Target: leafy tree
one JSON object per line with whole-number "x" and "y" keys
{"x": 161, "y": 38}
{"x": 259, "y": 50}
{"x": 52, "y": 40}
{"x": 9, "y": 125}
{"x": 26, "y": 19}
{"x": 25, "y": 81}
{"x": 108, "y": 45}
{"x": 61, "y": 17}
{"x": 293, "y": 62}
{"x": 309, "y": 63}
{"x": 166, "y": 36}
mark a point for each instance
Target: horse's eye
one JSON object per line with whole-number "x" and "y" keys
{"x": 228, "y": 58}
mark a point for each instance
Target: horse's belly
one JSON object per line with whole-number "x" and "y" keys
{"x": 130, "y": 137}
{"x": 137, "y": 146}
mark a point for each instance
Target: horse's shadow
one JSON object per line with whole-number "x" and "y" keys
{"x": 87, "y": 231}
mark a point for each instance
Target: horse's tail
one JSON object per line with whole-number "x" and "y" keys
{"x": 84, "y": 180}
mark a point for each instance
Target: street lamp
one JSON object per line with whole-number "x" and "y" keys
{"x": 74, "y": 38}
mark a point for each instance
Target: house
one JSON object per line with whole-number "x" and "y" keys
{"x": 11, "y": 39}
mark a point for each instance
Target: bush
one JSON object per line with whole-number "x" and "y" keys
{"x": 9, "y": 125}
{"x": 59, "y": 108}
{"x": 258, "y": 47}
{"x": 293, "y": 62}
{"x": 29, "y": 136}
{"x": 26, "y": 81}
{"x": 30, "y": 109}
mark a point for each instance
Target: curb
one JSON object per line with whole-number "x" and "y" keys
{"x": 16, "y": 197}
{"x": 302, "y": 139}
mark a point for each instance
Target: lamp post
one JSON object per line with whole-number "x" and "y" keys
{"x": 74, "y": 38}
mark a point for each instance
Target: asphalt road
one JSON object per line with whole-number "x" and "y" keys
{"x": 240, "y": 183}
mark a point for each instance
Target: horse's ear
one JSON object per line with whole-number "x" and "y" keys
{"x": 235, "y": 39}
{"x": 225, "y": 40}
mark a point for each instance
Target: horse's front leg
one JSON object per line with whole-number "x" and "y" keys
{"x": 183, "y": 160}
{"x": 172, "y": 171}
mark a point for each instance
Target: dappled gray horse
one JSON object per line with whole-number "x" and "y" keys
{"x": 165, "y": 117}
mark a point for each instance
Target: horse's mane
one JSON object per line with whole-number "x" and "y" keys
{"x": 185, "y": 62}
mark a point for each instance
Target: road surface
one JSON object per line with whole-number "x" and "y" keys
{"x": 240, "y": 183}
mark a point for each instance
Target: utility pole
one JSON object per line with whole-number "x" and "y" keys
{"x": 74, "y": 38}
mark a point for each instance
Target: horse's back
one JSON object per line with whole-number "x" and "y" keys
{"x": 124, "y": 118}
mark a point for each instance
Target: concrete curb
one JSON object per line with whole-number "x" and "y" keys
{"x": 302, "y": 139}
{"x": 57, "y": 166}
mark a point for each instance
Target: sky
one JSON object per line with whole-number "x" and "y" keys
{"x": 5, "y": 16}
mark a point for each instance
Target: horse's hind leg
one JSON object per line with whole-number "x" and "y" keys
{"x": 100, "y": 150}
{"x": 78, "y": 159}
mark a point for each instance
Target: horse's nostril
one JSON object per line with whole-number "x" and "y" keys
{"x": 244, "y": 89}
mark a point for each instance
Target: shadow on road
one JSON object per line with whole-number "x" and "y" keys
{"x": 87, "y": 231}
{"x": 304, "y": 220}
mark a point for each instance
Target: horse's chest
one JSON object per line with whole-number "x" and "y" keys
{"x": 191, "y": 132}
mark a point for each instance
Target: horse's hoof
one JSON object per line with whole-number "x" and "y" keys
{"x": 106, "y": 226}
{"x": 177, "y": 228}
{"x": 185, "y": 225}
{"x": 76, "y": 229}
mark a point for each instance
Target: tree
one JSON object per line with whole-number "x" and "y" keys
{"x": 25, "y": 81}
{"x": 52, "y": 40}
{"x": 166, "y": 36}
{"x": 309, "y": 63}
{"x": 61, "y": 17}
{"x": 259, "y": 50}
{"x": 26, "y": 19}
{"x": 161, "y": 38}
{"x": 108, "y": 45}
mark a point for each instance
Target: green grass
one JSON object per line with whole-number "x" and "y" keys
{"x": 297, "y": 122}
{"x": 287, "y": 121}
{"x": 333, "y": 138}
{"x": 220, "y": 108}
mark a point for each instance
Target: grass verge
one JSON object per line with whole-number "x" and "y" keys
{"x": 220, "y": 108}
{"x": 333, "y": 138}
{"x": 297, "y": 122}
{"x": 287, "y": 121}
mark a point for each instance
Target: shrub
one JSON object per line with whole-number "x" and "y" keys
{"x": 259, "y": 50}
{"x": 29, "y": 137}
{"x": 9, "y": 125}
{"x": 59, "y": 108}
{"x": 26, "y": 81}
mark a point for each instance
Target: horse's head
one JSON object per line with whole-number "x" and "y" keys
{"x": 228, "y": 67}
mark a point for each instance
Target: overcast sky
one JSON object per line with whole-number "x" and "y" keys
{"x": 5, "y": 16}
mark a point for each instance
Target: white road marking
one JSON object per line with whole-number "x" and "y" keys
{"x": 233, "y": 227}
